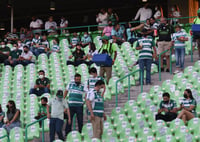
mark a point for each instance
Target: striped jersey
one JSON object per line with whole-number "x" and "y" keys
{"x": 85, "y": 40}
{"x": 76, "y": 93}
{"x": 178, "y": 43}
{"x": 91, "y": 81}
{"x": 147, "y": 45}
{"x": 55, "y": 48}
{"x": 170, "y": 105}
{"x": 36, "y": 41}
{"x": 188, "y": 102}
{"x": 96, "y": 102}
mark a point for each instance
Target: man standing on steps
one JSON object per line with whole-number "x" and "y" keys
{"x": 95, "y": 105}
{"x": 75, "y": 100}
{"x": 164, "y": 41}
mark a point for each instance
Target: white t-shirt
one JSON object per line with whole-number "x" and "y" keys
{"x": 103, "y": 18}
{"x": 36, "y": 24}
{"x": 27, "y": 55}
{"x": 63, "y": 23}
{"x": 144, "y": 14}
{"x": 157, "y": 14}
{"x": 48, "y": 25}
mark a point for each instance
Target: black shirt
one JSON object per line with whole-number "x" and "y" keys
{"x": 164, "y": 32}
{"x": 78, "y": 55}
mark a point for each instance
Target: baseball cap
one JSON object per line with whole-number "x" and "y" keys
{"x": 59, "y": 94}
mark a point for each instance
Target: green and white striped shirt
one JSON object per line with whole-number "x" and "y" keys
{"x": 147, "y": 45}
{"x": 97, "y": 102}
{"x": 91, "y": 81}
{"x": 76, "y": 93}
{"x": 188, "y": 102}
{"x": 178, "y": 43}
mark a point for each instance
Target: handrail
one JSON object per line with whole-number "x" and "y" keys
{"x": 128, "y": 76}
{"x": 170, "y": 58}
{"x": 28, "y": 125}
{"x": 5, "y": 136}
{"x": 191, "y": 52}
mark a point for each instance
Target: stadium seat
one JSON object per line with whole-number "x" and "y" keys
{"x": 74, "y": 136}
{"x": 3, "y": 132}
{"x": 16, "y": 135}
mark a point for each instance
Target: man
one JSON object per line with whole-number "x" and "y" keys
{"x": 144, "y": 13}
{"x": 95, "y": 105}
{"x": 26, "y": 57}
{"x": 13, "y": 37}
{"x": 102, "y": 19}
{"x": 164, "y": 41}
{"x": 35, "y": 42}
{"x": 64, "y": 24}
{"x": 14, "y": 56}
{"x": 75, "y": 100}
{"x": 111, "y": 50}
{"x": 145, "y": 45}
{"x": 42, "y": 46}
{"x": 196, "y": 38}
{"x": 42, "y": 85}
{"x": 168, "y": 107}
{"x": 4, "y": 52}
{"x": 50, "y": 26}
{"x": 118, "y": 34}
{"x": 36, "y": 25}
{"x": 112, "y": 16}
{"x": 58, "y": 107}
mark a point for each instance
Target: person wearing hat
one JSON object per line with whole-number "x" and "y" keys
{"x": 111, "y": 50}
{"x": 58, "y": 106}
{"x": 196, "y": 39}
{"x": 145, "y": 45}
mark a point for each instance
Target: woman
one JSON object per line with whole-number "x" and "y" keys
{"x": 130, "y": 34}
{"x": 13, "y": 116}
{"x": 2, "y": 115}
{"x": 187, "y": 107}
{"x": 92, "y": 51}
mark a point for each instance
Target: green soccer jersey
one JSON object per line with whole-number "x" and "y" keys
{"x": 190, "y": 102}
{"x": 43, "y": 110}
{"x": 178, "y": 43}
{"x": 171, "y": 105}
{"x": 15, "y": 53}
{"x": 147, "y": 45}
{"x": 76, "y": 93}
{"x": 4, "y": 50}
{"x": 96, "y": 102}
{"x": 44, "y": 82}
{"x": 91, "y": 81}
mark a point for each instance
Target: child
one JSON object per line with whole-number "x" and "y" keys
{"x": 179, "y": 38}
{"x": 42, "y": 109}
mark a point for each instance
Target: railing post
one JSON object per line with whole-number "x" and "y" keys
{"x": 129, "y": 87}
{"x": 116, "y": 95}
{"x": 170, "y": 60}
{"x": 141, "y": 80}
{"x": 191, "y": 49}
{"x": 74, "y": 122}
{"x": 159, "y": 67}
{"x": 26, "y": 134}
{"x": 43, "y": 131}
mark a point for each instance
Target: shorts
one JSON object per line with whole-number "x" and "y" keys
{"x": 162, "y": 46}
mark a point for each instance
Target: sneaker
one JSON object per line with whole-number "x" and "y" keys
{"x": 167, "y": 70}
{"x": 176, "y": 71}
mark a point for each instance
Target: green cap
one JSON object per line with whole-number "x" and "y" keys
{"x": 198, "y": 11}
{"x": 59, "y": 94}
{"x": 105, "y": 38}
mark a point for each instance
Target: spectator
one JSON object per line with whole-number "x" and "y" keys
{"x": 42, "y": 84}
{"x": 102, "y": 19}
{"x": 76, "y": 91}
{"x": 118, "y": 34}
{"x": 22, "y": 35}
{"x": 4, "y": 52}
{"x": 13, "y": 116}
{"x": 12, "y": 36}
{"x": 36, "y": 25}
{"x": 164, "y": 41}
{"x": 86, "y": 39}
{"x": 58, "y": 107}
{"x": 51, "y": 26}
{"x": 35, "y": 42}
{"x": 74, "y": 40}
{"x": 154, "y": 24}
{"x": 179, "y": 38}
{"x": 55, "y": 47}
{"x": 144, "y": 13}
{"x": 175, "y": 13}
{"x": 79, "y": 57}
{"x": 64, "y": 24}
{"x": 42, "y": 109}
{"x": 112, "y": 16}
{"x": 187, "y": 107}
{"x": 168, "y": 109}
{"x": 146, "y": 44}
{"x": 14, "y": 56}
{"x": 157, "y": 15}
{"x": 93, "y": 78}
{"x": 95, "y": 105}
{"x": 20, "y": 44}
{"x": 92, "y": 51}
{"x": 26, "y": 57}
{"x": 131, "y": 37}
{"x": 42, "y": 46}
{"x": 2, "y": 115}
{"x": 107, "y": 30}
{"x": 111, "y": 50}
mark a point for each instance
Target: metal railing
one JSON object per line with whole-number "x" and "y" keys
{"x": 37, "y": 121}
{"x": 8, "y": 139}
{"x": 129, "y": 85}
{"x": 170, "y": 61}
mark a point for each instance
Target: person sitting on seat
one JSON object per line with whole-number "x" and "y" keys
{"x": 74, "y": 40}
{"x": 168, "y": 109}
{"x": 4, "y": 52}
{"x": 107, "y": 30}
{"x": 42, "y": 85}
{"x": 86, "y": 39}
{"x": 118, "y": 34}
{"x": 26, "y": 57}
{"x": 14, "y": 56}
{"x": 2, "y": 115}
{"x": 55, "y": 47}
{"x": 187, "y": 107}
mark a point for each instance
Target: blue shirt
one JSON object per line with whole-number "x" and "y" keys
{"x": 118, "y": 33}
{"x": 129, "y": 34}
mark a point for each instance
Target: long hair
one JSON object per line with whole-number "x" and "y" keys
{"x": 0, "y": 109}
{"x": 190, "y": 93}
{"x": 13, "y": 110}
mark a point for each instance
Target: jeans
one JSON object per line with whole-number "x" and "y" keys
{"x": 55, "y": 126}
{"x": 40, "y": 91}
{"x": 37, "y": 52}
{"x": 24, "y": 62}
{"x": 77, "y": 63}
{"x": 145, "y": 63}
{"x": 180, "y": 57}
{"x": 12, "y": 125}
{"x": 14, "y": 62}
{"x": 79, "y": 115}
{"x": 166, "y": 117}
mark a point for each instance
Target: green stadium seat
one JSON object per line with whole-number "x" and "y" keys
{"x": 87, "y": 131}
{"x": 74, "y": 136}
{"x": 16, "y": 135}
{"x": 3, "y": 132}
{"x": 175, "y": 124}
